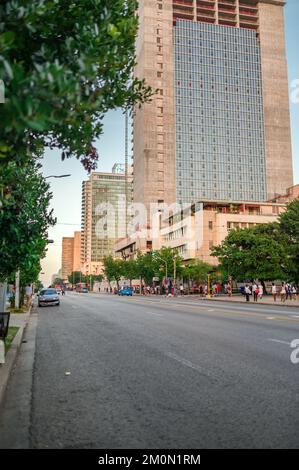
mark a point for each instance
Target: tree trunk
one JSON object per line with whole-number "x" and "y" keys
{"x": 264, "y": 286}
{"x": 3, "y": 288}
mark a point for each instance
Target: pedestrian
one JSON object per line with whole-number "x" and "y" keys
{"x": 229, "y": 290}
{"x": 182, "y": 289}
{"x": 247, "y": 293}
{"x": 261, "y": 291}
{"x": 274, "y": 291}
{"x": 294, "y": 292}
{"x": 28, "y": 295}
{"x": 255, "y": 291}
{"x": 283, "y": 292}
{"x": 205, "y": 290}
{"x": 288, "y": 291}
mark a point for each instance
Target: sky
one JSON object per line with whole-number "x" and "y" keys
{"x": 66, "y": 200}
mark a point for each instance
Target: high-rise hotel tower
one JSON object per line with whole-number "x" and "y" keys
{"x": 219, "y": 125}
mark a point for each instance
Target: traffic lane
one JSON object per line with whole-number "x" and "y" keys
{"x": 142, "y": 395}
{"x": 261, "y": 335}
{"x": 206, "y": 309}
{"x": 251, "y": 306}
{"x": 262, "y": 345}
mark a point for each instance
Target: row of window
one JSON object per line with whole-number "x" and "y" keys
{"x": 227, "y": 31}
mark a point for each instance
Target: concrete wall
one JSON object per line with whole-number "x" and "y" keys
{"x": 276, "y": 98}
{"x": 154, "y": 132}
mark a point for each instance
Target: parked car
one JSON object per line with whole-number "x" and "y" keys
{"x": 125, "y": 291}
{"x": 48, "y": 297}
{"x": 84, "y": 290}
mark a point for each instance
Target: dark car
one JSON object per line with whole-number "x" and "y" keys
{"x": 84, "y": 290}
{"x": 126, "y": 291}
{"x": 48, "y": 297}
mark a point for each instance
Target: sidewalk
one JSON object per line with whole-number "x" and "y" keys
{"x": 237, "y": 298}
{"x": 266, "y": 300}
{"x": 20, "y": 320}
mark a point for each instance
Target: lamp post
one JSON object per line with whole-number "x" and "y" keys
{"x": 209, "y": 287}
{"x": 164, "y": 261}
{"x": 174, "y": 272}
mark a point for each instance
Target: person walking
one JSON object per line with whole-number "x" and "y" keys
{"x": 182, "y": 289}
{"x": 294, "y": 292}
{"x": 261, "y": 291}
{"x": 255, "y": 291}
{"x": 288, "y": 291}
{"x": 247, "y": 293}
{"x": 205, "y": 290}
{"x": 28, "y": 295}
{"x": 274, "y": 291}
{"x": 283, "y": 292}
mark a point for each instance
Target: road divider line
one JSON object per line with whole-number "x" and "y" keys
{"x": 280, "y": 341}
{"x": 190, "y": 364}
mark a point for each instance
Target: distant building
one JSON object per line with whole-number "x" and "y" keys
{"x": 291, "y": 194}
{"x": 77, "y": 252}
{"x": 105, "y": 198}
{"x": 71, "y": 255}
{"x": 219, "y": 125}
{"x": 67, "y": 256}
{"x": 193, "y": 232}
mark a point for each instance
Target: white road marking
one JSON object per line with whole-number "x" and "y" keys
{"x": 156, "y": 314}
{"x": 270, "y": 318}
{"x": 295, "y": 316}
{"x": 189, "y": 364}
{"x": 280, "y": 341}
{"x": 211, "y": 310}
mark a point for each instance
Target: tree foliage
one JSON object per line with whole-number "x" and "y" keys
{"x": 64, "y": 65}
{"x": 76, "y": 277}
{"x": 266, "y": 251}
{"x": 24, "y": 219}
{"x": 289, "y": 228}
{"x": 164, "y": 261}
{"x": 145, "y": 267}
{"x": 113, "y": 269}
{"x": 197, "y": 271}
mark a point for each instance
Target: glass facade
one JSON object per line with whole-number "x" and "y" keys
{"x": 108, "y": 213}
{"x": 220, "y": 149}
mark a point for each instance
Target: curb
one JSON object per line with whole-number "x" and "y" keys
{"x": 277, "y": 304}
{"x": 11, "y": 358}
{"x": 194, "y": 297}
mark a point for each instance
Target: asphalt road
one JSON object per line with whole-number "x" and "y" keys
{"x": 161, "y": 373}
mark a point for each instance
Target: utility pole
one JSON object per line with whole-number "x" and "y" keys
{"x": 209, "y": 286}
{"x": 17, "y": 296}
{"x": 174, "y": 271}
{"x": 3, "y": 288}
{"x": 126, "y": 164}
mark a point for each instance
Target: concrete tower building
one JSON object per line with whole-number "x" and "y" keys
{"x": 105, "y": 198}
{"x": 219, "y": 126}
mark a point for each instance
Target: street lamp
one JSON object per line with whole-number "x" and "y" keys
{"x": 57, "y": 176}
{"x": 164, "y": 261}
{"x": 174, "y": 270}
{"x": 209, "y": 287}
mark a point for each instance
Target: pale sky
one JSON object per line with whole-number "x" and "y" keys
{"x": 67, "y": 192}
